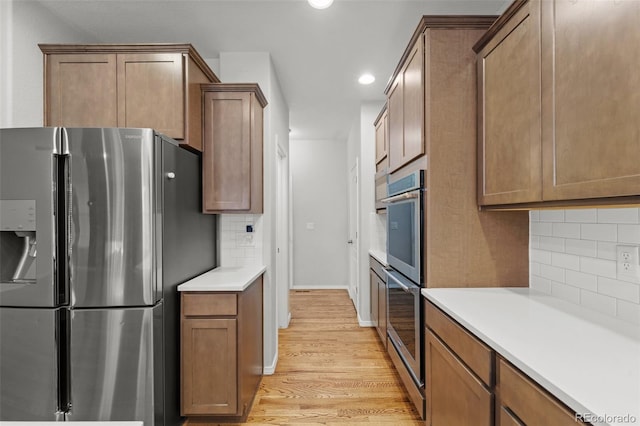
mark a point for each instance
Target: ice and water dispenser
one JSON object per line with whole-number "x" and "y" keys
{"x": 17, "y": 241}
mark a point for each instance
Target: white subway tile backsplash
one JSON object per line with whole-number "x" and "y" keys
{"x": 234, "y": 248}
{"x": 565, "y": 292}
{"x": 566, "y": 261}
{"x": 534, "y": 241}
{"x": 540, "y": 256}
{"x": 552, "y": 216}
{"x": 540, "y": 228}
{"x": 629, "y": 234}
{"x": 566, "y": 230}
{"x": 551, "y": 244}
{"x": 598, "y": 302}
{"x": 628, "y": 311}
{"x": 581, "y": 215}
{"x": 600, "y": 232}
{"x": 619, "y": 289}
{"x": 581, "y": 247}
{"x": 600, "y": 267}
{"x": 551, "y": 272}
{"x": 617, "y": 216}
{"x": 540, "y": 284}
{"x": 606, "y": 250}
{"x": 572, "y": 255}
{"x": 582, "y": 280}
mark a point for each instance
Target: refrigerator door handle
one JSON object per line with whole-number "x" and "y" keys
{"x": 62, "y": 330}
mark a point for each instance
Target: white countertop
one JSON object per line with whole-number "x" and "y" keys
{"x": 224, "y": 278}
{"x": 380, "y": 256}
{"x": 589, "y": 361}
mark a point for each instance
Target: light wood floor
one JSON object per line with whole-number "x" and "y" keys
{"x": 330, "y": 370}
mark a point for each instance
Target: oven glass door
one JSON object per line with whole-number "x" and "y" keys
{"x": 404, "y": 236}
{"x": 404, "y": 319}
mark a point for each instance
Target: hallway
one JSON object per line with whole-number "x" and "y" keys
{"x": 330, "y": 371}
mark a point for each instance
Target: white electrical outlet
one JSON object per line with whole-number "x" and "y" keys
{"x": 628, "y": 261}
{"x": 245, "y": 240}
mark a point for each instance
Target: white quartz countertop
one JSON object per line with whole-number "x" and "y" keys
{"x": 589, "y": 361}
{"x": 224, "y": 278}
{"x": 380, "y": 256}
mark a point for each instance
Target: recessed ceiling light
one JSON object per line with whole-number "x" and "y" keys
{"x": 320, "y": 4}
{"x": 366, "y": 79}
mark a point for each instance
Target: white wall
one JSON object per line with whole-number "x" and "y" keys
{"x": 573, "y": 256}
{"x": 361, "y": 146}
{"x": 319, "y": 197}
{"x": 256, "y": 67}
{"x": 22, "y": 26}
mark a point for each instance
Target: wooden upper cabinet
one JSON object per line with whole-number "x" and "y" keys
{"x": 126, "y": 85}
{"x": 232, "y": 158}
{"x": 72, "y": 97}
{"x": 381, "y": 137}
{"x": 509, "y": 151}
{"x": 406, "y": 110}
{"x": 150, "y": 92}
{"x": 558, "y": 98}
{"x": 591, "y": 98}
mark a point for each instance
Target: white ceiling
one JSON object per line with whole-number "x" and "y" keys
{"x": 317, "y": 54}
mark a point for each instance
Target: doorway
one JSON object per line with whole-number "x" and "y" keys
{"x": 354, "y": 226}
{"x": 282, "y": 237}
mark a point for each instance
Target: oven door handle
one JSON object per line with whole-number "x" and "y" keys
{"x": 400, "y": 197}
{"x": 397, "y": 281}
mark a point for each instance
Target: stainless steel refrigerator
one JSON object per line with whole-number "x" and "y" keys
{"x": 97, "y": 228}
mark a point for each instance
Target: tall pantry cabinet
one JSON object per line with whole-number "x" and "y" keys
{"x": 126, "y": 85}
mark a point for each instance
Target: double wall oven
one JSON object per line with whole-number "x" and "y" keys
{"x": 405, "y": 237}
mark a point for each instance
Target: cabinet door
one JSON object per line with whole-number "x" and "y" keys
{"x": 209, "y": 366}
{"x": 381, "y": 139}
{"x": 509, "y": 146}
{"x": 591, "y": 98}
{"x": 80, "y": 90}
{"x": 413, "y": 108}
{"x": 454, "y": 395}
{"x": 226, "y": 156}
{"x": 406, "y": 111}
{"x": 396, "y": 124}
{"x": 151, "y": 92}
{"x": 373, "y": 278}
{"x": 521, "y": 400}
{"x": 382, "y": 311}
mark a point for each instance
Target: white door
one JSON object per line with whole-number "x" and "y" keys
{"x": 282, "y": 237}
{"x": 352, "y": 240}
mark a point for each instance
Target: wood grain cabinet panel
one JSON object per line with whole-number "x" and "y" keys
{"x": 381, "y": 136}
{"x": 558, "y": 101}
{"x": 406, "y": 111}
{"x": 232, "y": 151}
{"x": 591, "y": 98}
{"x": 127, "y": 85}
{"x": 521, "y": 401}
{"x": 378, "y": 299}
{"x": 509, "y": 150}
{"x": 455, "y": 396}
{"x": 221, "y": 353}
{"x": 151, "y": 92}
{"x": 72, "y": 97}
{"x": 209, "y": 366}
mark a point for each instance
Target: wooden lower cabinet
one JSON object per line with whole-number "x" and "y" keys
{"x": 469, "y": 384}
{"x": 458, "y": 373}
{"x": 521, "y": 401}
{"x": 221, "y": 353}
{"x": 378, "y": 299}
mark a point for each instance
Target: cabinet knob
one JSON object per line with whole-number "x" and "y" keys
{"x": 171, "y": 175}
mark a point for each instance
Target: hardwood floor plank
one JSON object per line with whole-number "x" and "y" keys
{"x": 330, "y": 371}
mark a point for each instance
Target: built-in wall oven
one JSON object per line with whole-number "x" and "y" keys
{"x": 405, "y": 237}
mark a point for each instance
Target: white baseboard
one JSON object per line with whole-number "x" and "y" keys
{"x": 319, "y": 287}
{"x": 270, "y": 369}
{"x": 364, "y": 323}
{"x": 288, "y": 322}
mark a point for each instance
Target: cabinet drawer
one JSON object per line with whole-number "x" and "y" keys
{"x": 531, "y": 404}
{"x": 209, "y": 304}
{"x": 475, "y": 354}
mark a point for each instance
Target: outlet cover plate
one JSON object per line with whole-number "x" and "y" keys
{"x": 628, "y": 262}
